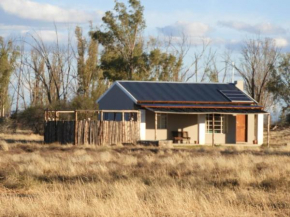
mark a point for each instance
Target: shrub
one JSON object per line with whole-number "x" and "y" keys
{"x": 6, "y": 125}
{"x": 32, "y": 119}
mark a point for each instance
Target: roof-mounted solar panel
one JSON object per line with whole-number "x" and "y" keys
{"x": 236, "y": 96}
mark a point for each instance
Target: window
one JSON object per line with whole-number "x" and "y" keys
{"x": 161, "y": 121}
{"x": 219, "y": 123}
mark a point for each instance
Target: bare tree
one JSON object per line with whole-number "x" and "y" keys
{"x": 258, "y": 60}
{"x": 217, "y": 66}
{"x": 200, "y": 61}
{"x": 53, "y": 70}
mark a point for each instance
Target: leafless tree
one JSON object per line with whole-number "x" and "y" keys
{"x": 53, "y": 70}
{"x": 201, "y": 59}
{"x": 257, "y": 62}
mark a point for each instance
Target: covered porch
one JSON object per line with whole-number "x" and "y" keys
{"x": 204, "y": 126}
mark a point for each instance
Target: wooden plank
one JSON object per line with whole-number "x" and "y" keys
{"x": 90, "y": 132}
{"x": 76, "y": 128}
{"x": 155, "y": 126}
{"x": 120, "y": 111}
{"x": 139, "y": 126}
{"x": 80, "y": 127}
{"x": 100, "y": 128}
{"x": 71, "y": 133}
{"x": 213, "y": 129}
{"x": 96, "y": 129}
{"x": 85, "y": 132}
{"x": 59, "y": 131}
{"x": 55, "y": 130}
{"x": 65, "y": 112}
{"x": 268, "y": 130}
{"x": 123, "y": 127}
{"x": 93, "y": 111}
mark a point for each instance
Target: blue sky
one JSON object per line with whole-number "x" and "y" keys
{"x": 224, "y": 22}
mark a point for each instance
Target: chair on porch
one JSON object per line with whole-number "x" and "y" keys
{"x": 180, "y": 136}
{"x": 185, "y": 136}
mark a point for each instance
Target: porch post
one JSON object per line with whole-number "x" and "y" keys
{"x": 212, "y": 129}
{"x": 268, "y": 130}
{"x": 155, "y": 126}
{"x": 260, "y": 126}
{"x": 142, "y": 122}
{"x": 201, "y": 129}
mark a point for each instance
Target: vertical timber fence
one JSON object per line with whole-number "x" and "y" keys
{"x": 95, "y": 127}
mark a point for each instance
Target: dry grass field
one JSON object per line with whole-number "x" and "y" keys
{"x": 42, "y": 180}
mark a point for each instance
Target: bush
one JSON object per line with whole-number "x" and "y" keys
{"x": 32, "y": 119}
{"x": 6, "y": 125}
{"x": 82, "y": 102}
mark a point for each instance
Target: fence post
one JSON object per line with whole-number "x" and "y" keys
{"x": 76, "y": 128}
{"x": 123, "y": 127}
{"x": 139, "y": 123}
{"x": 268, "y": 130}
{"x": 102, "y": 129}
{"x": 55, "y": 129}
{"x": 155, "y": 126}
{"x": 45, "y": 116}
{"x": 213, "y": 129}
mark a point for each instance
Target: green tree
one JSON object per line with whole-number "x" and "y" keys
{"x": 126, "y": 54}
{"x": 87, "y": 62}
{"x": 280, "y": 83}
{"x": 8, "y": 57}
{"x": 163, "y": 66}
{"x": 122, "y": 40}
{"x": 91, "y": 84}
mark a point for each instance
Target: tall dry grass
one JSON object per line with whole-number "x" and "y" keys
{"x": 41, "y": 180}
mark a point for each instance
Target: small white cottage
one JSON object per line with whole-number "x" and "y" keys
{"x": 196, "y": 113}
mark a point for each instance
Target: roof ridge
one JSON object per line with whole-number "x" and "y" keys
{"x": 172, "y": 82}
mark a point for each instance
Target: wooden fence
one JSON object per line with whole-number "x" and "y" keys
{"x": 89, "y": 131}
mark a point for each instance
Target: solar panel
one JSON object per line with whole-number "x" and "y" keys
{"x": 236, "y": 96}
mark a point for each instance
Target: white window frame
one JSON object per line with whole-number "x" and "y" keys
{"x": 162, "y": 121}
{"x": 219, "y": 121}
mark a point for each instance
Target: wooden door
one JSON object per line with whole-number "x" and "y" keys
{"x": 241, "y": 128}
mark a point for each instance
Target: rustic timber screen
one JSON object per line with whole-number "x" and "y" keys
{"x": 98, "y": 127}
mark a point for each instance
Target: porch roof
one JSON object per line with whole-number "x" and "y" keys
{"x": 173, "y": 110}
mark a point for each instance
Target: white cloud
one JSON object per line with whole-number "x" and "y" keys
{"x": 193, "y": 29}
{"x": 261, "y": 28}
{"x": 12, "y": 30}
{"x": 281, "y": 42}
{"x": 45, "y": 12}
{"x": 189, "y": 41}
{"x": 47, "y": 36}
{"x": 12, "y": 27}
{"x": 234, "y": 44}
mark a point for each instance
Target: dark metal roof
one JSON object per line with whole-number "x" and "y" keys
{"x": 174, "y": 91}
{"x": 208, "y": 110}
